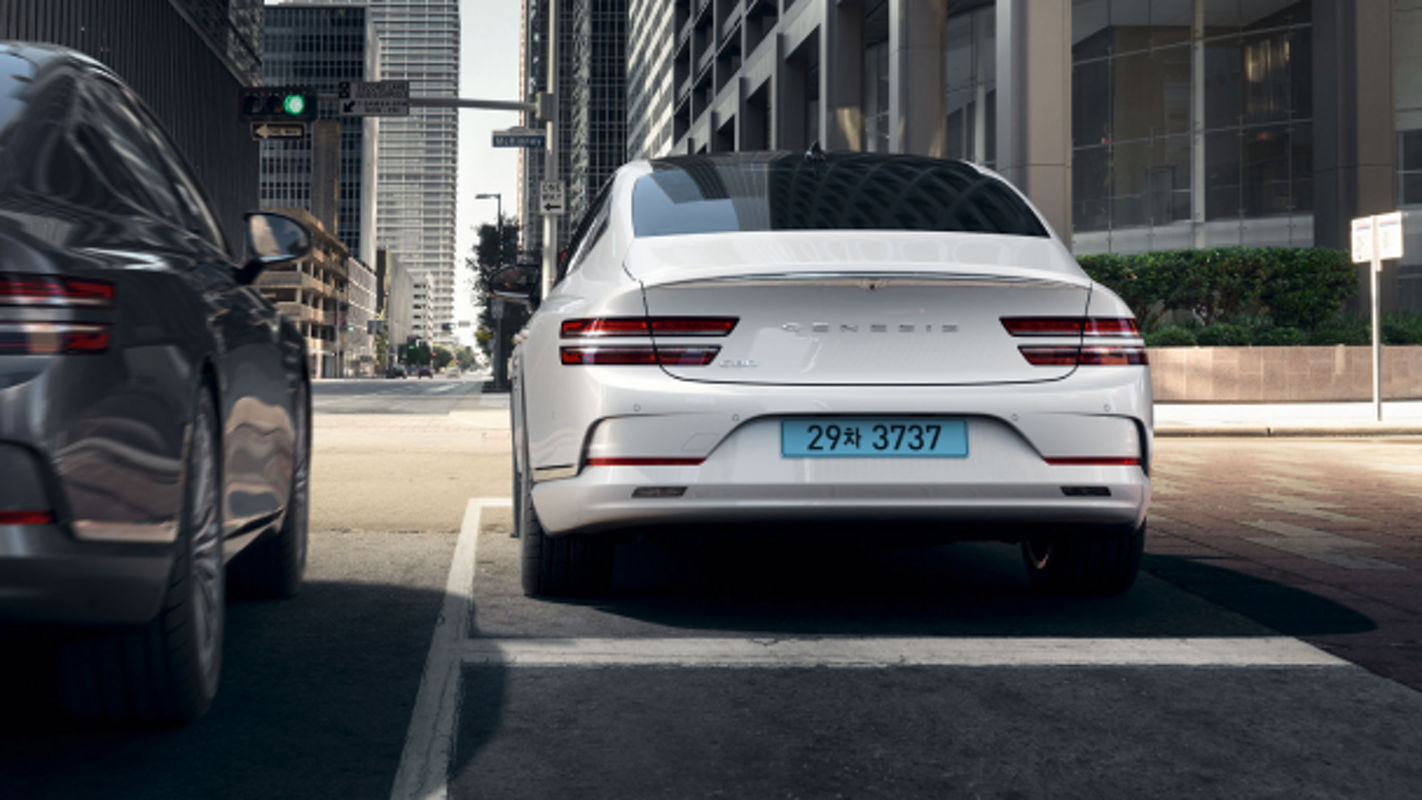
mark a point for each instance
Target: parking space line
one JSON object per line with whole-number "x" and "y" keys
{"x": 429, "y": 741}
{"x": 872, "y": 653}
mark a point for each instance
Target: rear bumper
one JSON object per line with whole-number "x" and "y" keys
{"x": 1003, "y": 487}
{"x": 47, "y": 577}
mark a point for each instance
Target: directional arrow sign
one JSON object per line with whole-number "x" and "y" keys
{"x": 551, "y": 199}
{"x": 266, "y": 131}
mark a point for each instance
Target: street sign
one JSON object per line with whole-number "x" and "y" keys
{"x": 550, "y": 198}
{"x": 373, "y": 99}
{"x": 1362, "y": 240}
{"x": 521, "y": 137}
{"x": 1389, "y": 228}
{"x": 266, "y": 131}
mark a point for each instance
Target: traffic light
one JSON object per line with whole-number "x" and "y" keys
{"x": 278, "y": 104}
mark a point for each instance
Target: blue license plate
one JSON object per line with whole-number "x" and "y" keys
{"x": 874, "y": 437}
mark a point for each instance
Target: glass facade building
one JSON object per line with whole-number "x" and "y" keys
{"x": 319, "y": 47}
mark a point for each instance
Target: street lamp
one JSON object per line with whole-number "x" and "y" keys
{"x": 500, "y": 368}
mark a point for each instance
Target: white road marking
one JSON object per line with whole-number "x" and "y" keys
{"x": 1320, "y": 546}
{"x": 429, "y": 741}
{"x": 870, "y": 653}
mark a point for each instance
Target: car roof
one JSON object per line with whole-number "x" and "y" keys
{"x": 42, "y": 54}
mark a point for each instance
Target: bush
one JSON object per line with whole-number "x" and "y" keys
{"x": 1171, "y": 336}
{"x": 1296, "y": 287}
{"x": 1349, "y": 329}
{"x": 1400, "y": 327}
{"x": 1277, "y": 337}
{"x": 1223, "y": 334}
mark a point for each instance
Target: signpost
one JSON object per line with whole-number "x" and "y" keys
{"x": 1376, "y": 238}
{"x": 373, "y": 99}
{"x": 551, "y": 200}
{"x": 266, "y": 131}
{"x": 521, "y": 137}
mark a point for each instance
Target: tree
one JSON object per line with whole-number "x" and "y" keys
{"x": 489, "y": 257}
{"x": 465, "y": 357}
{"x": 442, "y": 357}
{"x": 418, "y": 355}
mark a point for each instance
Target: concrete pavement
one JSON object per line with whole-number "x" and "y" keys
{"x": 1400, "y": 418}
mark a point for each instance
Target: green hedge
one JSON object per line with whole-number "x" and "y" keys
{"x": 1290, "y": 287}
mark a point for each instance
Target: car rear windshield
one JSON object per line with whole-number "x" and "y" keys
{"x": 833, "y": 192}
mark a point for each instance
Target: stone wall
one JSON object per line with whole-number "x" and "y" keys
{"x": 1282, "y": 374}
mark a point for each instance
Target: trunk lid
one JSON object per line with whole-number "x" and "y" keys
{"x": 862, "y": 308}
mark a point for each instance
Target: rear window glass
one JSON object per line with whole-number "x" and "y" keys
{"x": 837, "y": 192}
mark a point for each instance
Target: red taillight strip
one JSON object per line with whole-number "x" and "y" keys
{"x": 26, "y": 517}
{"x": 644, "y": 462}
{"x": 1085, "y": 356}
{"x": 646, "y": 326}
{"x": 54, "y": 290}
{"x": 1112, "y": 356}
{"x": 53, "y": 338}
{"x": 1094, "y": 461}
{"x": 1070, "y": 326}
{"x": 635, "y": 354}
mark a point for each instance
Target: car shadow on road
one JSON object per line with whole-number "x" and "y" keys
{"x": 315, "y": 701}
{"x": 797, "y": 585}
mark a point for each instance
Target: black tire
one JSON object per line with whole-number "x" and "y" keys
{"x": 273, "y": 566}
{"x": 558, "y": 565}
{"x": 1103, "y": 561}
{"x": 166, "y": 671}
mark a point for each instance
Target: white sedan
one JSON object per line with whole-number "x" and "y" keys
{"x": 889, "y": 341}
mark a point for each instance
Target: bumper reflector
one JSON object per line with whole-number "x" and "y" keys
{"x": 1094, "y": 461}
{"x": 26, "y": 517}
{"x": 52, "y": 338}
{"x": 659, "y": 491}
{"x": 1086, "y": 491}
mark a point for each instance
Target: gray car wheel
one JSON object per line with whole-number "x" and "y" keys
{"x": 275, "y": 566}
{"x": 1100, "y": 561}
{"x": 167, "y": 670}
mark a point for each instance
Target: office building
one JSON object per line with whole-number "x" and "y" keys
{"x": 210, "y": 49}
{"x": 592, "y": 105}
{"x": 319, "y": 46}
{"x": 1133, "y": 125}
{"x": 650, "y": 38}
{"x": 417, "y": 156}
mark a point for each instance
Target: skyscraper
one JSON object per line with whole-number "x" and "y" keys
{"x": 319, "y": 46}
{"x": 417, "y": 156}
{"x": 650, "y": 37}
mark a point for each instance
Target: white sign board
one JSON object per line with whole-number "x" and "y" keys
{"x": 373, "y": 98}
{"x": 1362, "y": 240}
{"x": 1389, "y": 228}
{"x": 551, "y": 202}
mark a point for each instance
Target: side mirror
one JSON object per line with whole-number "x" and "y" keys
{"x": 518, "y": 284}
{"x": 272, "y": 239}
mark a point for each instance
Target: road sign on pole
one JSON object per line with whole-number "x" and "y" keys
{"x": 266, "y": 131}
{"x": 551, "y": 200}
{"x": 373, "y": 99}
{"x": 1375, "y": 238}
{"x": 520, "y": 137}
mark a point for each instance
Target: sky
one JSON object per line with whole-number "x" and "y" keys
{"x": 488, "y": 70}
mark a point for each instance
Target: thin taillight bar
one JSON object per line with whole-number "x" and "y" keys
{"x": 668, "y": 355}
{"x": 1063, "y": 356}
{"x": 1071, "y": 326}
{"x": 23, "y": 289}
{"x": 1094, "y": 461}
{"x": 647, "y": 326}
{"x": 26, "y": 517}
{"x": 53, "y": 338}
{"x": 644, "y": 462}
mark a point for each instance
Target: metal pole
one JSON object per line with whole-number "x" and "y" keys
{"x": 550, "y": 157}
{"x": 501, "y": 372}
{"x": 1376, "y": 267}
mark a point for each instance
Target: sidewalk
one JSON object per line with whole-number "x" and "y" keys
{"x": 1400, "y": 418}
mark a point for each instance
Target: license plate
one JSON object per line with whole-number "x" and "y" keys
{"x": 871, "y": 437}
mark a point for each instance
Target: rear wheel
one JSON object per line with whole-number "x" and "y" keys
{"x": 166, "y": 670}
{"x": 274, "y": 566}
{"x": 1103, "y": 561}
{"x": 557, "y": 565}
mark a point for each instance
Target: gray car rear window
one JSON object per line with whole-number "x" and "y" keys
{"x": 836, "y": 192}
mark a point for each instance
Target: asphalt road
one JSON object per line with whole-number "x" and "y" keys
{"x": 1268, "y": 650}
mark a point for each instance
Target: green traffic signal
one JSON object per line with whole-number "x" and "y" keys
{"x": 294, "y": 104}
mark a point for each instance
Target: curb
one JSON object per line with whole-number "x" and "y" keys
{"x": 1277, "y": 431}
